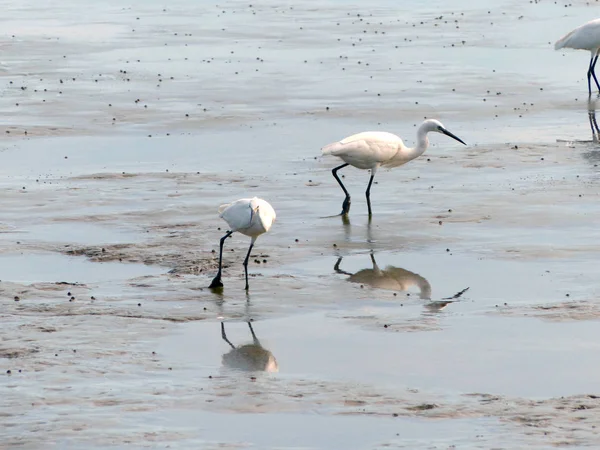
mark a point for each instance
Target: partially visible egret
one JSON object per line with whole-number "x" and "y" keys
{"x": 249, "y": 357}
{"x": 585, "y": 37}
{"x": 249, "y": 216}
{"x": 372, "y": 149}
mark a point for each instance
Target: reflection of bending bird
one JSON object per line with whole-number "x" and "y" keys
{"x": 250, "y": 357}
{"x": 391, "y": 278}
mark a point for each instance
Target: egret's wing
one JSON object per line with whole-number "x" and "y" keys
{"x": 375, "y": 146}
{"x": 238, "y": 214}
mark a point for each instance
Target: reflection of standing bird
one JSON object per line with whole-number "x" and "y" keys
{"x": 372, "y": 149}
{"x": 249, "y": 216}
{"x": 250, "y": 357}
{"x": 585, "y": 37}
{"x": 391, "y": 278}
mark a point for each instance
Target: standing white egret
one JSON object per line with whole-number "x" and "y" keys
{"x": 585, "y": 37}
{"x": 372, "y": 149}
{"x": 249, "y": 216}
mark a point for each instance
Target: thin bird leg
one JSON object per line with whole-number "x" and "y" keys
{"x": 346, "y": 204}
{"x": 256, "y": 341}
{"x": 593, "y": 68}
{"x": 336, "y": 267}
{"x": 590, "y": 72}
{"x": 246, "y": 263}
{"x": 216, "y": 282}
{"x": 224, "y": 336}
{"x": 368, "y": 193}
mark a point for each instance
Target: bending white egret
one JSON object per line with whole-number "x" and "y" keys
{"x": 585, "y": 37}
{"x": 249, "y": 216}
{"x": 372, "y": 149}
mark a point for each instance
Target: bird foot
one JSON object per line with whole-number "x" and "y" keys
{"x": 216, "y": 283}
{"x": 345, "y": 207}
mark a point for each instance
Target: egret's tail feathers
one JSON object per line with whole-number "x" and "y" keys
{"x": 330, "y": 149}
{"x": 223, "y": 208}
{"x": 563, "y": 42}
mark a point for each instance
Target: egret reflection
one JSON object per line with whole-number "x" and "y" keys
{"x": 391, "y": 278}
{"x": 248, "y": 357}
{"x": 592, "y": 103}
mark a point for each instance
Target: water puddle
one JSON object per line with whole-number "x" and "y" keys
{"x": 51, "y": 267}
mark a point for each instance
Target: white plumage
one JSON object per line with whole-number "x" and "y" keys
{"x": 249, "y": 216}
{"x": 584, "y": 37}
{"x": 372, "y": 149}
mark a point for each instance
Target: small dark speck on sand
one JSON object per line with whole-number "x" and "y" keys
{"x": 93, "y": 298}
{"x": 69, "y": 293}
{"x": 139, "y": 304}
{"x": 17, "y": 298}
{"x": 210, "y": 377}
{"x": 8, "y": 372}
{"x": 296, "y": 240}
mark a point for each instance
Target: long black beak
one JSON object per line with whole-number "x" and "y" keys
{"x": 447, "y": 133}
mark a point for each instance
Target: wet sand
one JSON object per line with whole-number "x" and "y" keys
{"x": 125, "y": 128}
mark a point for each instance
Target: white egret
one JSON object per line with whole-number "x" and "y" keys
{"x": 249, "y": 216}
{"x": 249, "y": 357}
{"x": 372, "y": 149}
{"x": 585, "y": 37}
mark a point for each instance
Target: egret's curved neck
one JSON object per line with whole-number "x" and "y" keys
{"x": 422, "y": 143}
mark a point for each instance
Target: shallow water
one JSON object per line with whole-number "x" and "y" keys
{"x": 109, "y": 227}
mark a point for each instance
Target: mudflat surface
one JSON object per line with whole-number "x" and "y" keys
{"x": 123, "y": 130}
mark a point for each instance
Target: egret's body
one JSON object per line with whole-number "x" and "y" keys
{"x": 373, "y": 149}
{"x": 585, "y": 37}
{"x": 249, "y": 216}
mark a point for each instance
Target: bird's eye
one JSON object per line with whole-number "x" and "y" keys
{"x": 439, "y": 128}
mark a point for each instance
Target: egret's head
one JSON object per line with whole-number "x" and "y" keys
{"x": 438, "y": 127}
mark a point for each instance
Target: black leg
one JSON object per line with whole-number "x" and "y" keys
{"x": 368, "y": 193}
{"x": 593, "y": 69}
{"x": 216, "y": 282}
{"x": 224, "y": 336}
{"x": 246, "y": 264}
{"x": 346, "y": 204}
{"x": 591, "y": 73}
